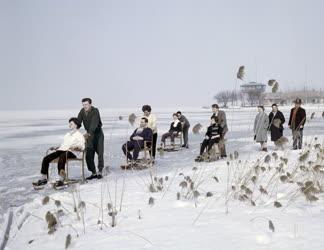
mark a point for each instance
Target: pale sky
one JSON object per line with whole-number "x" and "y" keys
{"x": 164, "y": 53}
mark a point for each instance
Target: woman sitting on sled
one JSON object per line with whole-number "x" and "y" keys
{"x": 72, "y": 139}
{"x": 212, "y": 136}
{"x": 175, "y": 129}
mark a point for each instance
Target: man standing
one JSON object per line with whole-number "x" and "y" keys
{"x": 221, "y": 117}
{"x": 90, "y": 118}
{"x": 185, "y": 128}
{"x": 297, "y": 120}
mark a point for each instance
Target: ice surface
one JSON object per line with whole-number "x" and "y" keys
{"x": 25, "y": 136}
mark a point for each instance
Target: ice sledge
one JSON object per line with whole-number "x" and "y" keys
{"x": 168, "y": 147}
{"x": 142, "y": 163}
{"x": 212, "y": 155}
{"x": 80, "y": 157}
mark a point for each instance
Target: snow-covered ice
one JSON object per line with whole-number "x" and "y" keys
{"x": 201, "y": 223}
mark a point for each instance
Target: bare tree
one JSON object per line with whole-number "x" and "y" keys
{"x": 223, "y": 97}
{"x": 234, "y": 97}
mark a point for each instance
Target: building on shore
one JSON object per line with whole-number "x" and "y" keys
{"x": 288, "y": 97}
{"x": 252, "y": 93}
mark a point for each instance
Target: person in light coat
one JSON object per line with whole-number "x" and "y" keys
{"x": 261, "y": 127}
{"x": 152, "y": 125}
{"x": 72, "y": 140}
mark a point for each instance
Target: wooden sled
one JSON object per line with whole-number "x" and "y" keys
{"x": 143, "y": 163}
{"x": 138, "y": 165}
{"x": 211, "y": 156}
{"x": 168, "y": 149}
{"x": 80, "y": 158}
{"x": 66, "y": 184}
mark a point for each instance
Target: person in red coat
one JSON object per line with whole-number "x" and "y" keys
{"x": 296, "y": 123}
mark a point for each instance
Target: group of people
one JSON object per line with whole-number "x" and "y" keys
{"x": 274, "y": 122}
{"x": 215, "y": 134}
{"x": 92, "y": 142}
{"x": 146, "y": 134}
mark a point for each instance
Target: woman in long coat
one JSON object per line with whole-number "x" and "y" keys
{"x": 276, "y": 120}
{"x": 261, "y": 125}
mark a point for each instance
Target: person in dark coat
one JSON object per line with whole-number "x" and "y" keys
{"x": 90, "y": 117}
{"x": 296, "y": 123}
{"x": 137, "y": 139}
{"x": 175, "y": 129}
{"x": 276, "y": 121}
{"x": 212, "y": 136}
{"x": 185, "y": 128}
{"x": 221, "y": 117}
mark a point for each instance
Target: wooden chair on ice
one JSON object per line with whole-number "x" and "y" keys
{"x": 80, "y": 157}
{"x": 146, "y": 161}
{"x": 176, "y": 146}
{"x": 213, "y": 154}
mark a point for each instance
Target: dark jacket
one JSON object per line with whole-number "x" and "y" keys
{"x": 91, "y": 120}
{"x": 177, "y": 129}
{"x": 300, "y": 119}
{"x": 147, "y": 134}
{"x": 185, "y": 121}
{"x": 221, "y": 118}
{"x": 276, "y": 132}
{"x": 214, "y": 130}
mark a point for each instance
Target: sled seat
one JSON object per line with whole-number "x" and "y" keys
{"x": 176, "y": 138}
{"x": 80, "y": 158}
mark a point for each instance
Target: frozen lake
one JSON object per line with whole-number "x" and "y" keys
{"x": 26, "y": 135}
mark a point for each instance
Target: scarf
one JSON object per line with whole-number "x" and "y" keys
{"x": 293, "y": 118}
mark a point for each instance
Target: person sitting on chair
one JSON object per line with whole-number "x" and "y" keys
{"x": 72, "y": 140}
{"x": 213, "y": 135}
{"x": 137, "y": 139}
{"x": 175, "y": 129}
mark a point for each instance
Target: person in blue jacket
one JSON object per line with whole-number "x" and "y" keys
{"x": 137, "y": 139}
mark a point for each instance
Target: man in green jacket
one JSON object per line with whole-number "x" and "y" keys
{"x": 90, "y": 117}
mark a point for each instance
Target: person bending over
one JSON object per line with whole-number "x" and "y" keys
{"x": 185, "y": 128}
{"x": 90, "y": 117}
